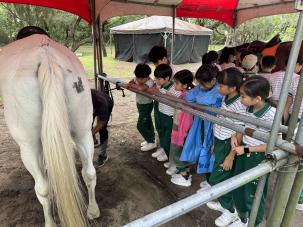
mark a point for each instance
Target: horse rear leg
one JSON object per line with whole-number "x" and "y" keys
{"x": 86, "y": 151}
{"x": 31, "y": 155}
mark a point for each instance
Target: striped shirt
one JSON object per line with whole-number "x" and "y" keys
{"x": 233, "y": 105}
{"x": 267, "y": 113}
{"x": 276, "y": 80}
{"x": 163, "y": 108}
{"x": 293, "y": 92}
{"x": 141, "y": 99}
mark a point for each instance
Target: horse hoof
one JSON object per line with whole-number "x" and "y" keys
{"x": 93, "y": 213}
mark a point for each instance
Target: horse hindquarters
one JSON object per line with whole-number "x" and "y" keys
{"x": 58, "y": 145}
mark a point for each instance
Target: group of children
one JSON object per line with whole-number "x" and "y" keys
{"x": 185, "y": 140}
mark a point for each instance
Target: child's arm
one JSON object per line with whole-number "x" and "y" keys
{"x": 258, "y": 148}
{"x": 228, "y": 162}
{"x": 287, "y": 107}
{"x": 192, "y": 94}
{"x": 236, "y": 139}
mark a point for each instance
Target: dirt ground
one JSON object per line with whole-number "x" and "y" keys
{"x": 130, "y": 185}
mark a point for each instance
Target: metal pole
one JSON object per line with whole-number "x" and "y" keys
{"x": 283, "y": 186}
{"x": 183, "y": 206}
{"x": 286, "y": 179}
{"x": 100, "y": 55}
{"x": 257, "y": 122}
{"x": 293, "y": 200}
{"x": 92, "y": 7}
{"x": 173, "y": 36}
{"x": 262, "y": 136}
{"x": 286, "y": 83}
{"x": 296, "y": 109}
{"x": 297, "y": 185}
{"x": 257, "y": 200}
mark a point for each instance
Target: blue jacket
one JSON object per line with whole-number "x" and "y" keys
{"x": 200, "y": 138}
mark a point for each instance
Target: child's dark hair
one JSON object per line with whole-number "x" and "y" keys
{"x": 185, "y": 77}
{"x": 163, "y": 71}
{"x": 210, "y": 57}
{"x": 230, "y": 77}
{"x": 206, "y": 73}
{"x": 269, "y": 62}
{"x": 226, "y": 52}
{"x": 157, "y": 53}
{"x": 256, "y": 86}
{"x": 142, "y": 71}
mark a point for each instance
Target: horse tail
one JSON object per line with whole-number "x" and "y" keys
{"x": 58, "y": 146}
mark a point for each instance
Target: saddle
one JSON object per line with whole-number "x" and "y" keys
{"x": 271, "y": 47}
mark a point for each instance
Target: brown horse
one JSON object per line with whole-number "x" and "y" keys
{"x": 280, "y": 50}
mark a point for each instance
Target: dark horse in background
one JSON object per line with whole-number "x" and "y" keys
{"x": 274, "y": 47}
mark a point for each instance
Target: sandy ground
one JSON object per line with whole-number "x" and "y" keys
{"x": 130, "y": 185}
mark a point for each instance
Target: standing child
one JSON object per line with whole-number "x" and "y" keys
{"x": 163, "y": 75}
{"x": 158, "y": 55}
{"x": 145, "y": 106}
{"x": 250, "y": 152}
{"x": 229, "y": 81}
{"x": 199, "y": 141}
{"x": 183, "y": 81}
{"x": 212, "y": 58}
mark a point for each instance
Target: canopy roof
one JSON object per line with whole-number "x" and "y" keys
{"x": 232, "y": 12}
{"x": 160, "y": 24}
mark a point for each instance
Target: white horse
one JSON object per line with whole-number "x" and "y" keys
{"x": 48, "y": 110}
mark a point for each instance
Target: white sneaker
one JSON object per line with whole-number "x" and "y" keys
{"x": 181, "y": 180}
{"x": 143, "y": 143}
{"x": 226, "y": 218}
{"x": 204, "y": 186}
{"x": 166, "y": 165}
{"x": 238, "y": 223}
{"x": 300, "y": 206}
{"x": 159, "y": 151}
{"x": 162, "y": 157}
{"x": 171, "y": 170}
{"x": 148, "y": 147}
{"x": 215, "y": 206}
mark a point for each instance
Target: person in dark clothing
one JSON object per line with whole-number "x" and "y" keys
{"x": 103, "y": 106}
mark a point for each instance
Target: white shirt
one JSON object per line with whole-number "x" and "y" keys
{"x": 163, "y": 108}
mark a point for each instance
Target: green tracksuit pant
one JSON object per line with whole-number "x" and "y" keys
{"x": 145, "y": 123}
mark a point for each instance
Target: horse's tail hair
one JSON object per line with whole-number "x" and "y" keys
{"x": 58, "y": 146}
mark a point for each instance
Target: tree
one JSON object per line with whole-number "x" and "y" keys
{"x": 63, "y": 27}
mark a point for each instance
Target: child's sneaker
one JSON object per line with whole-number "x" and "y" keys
{"x": 181, "y": 180}
{"x": 171, "y": 170}
{"x": 159, "y": 151}
{"x": 300, "y": 206}
{"x": 149, "y": 146}
{"x": 143, "y": 143}
{"x": 166, "y": 165}
{"x": 215, "y": 206}
{"x": 238, "y": 223}
{"x": 162, "y": 157}
{"x": 226, "y": 218}
{"x": 204, "y": 186}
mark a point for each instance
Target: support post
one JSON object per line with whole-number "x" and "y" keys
{"x": 293, "y": 200}
{"x": 92, "y": 9}
{"x": 287, "y": 177}
{"x": 257, "y": 200}
{"x": 173, "y": 36}
{"x": 100, "y": 54}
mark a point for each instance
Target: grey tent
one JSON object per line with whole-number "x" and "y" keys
{"x": 134, "y": 40}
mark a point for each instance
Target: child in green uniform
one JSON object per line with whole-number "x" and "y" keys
{"x": 229, "y": 81}
{"x": 145, "y": 126}
{"x": 250, "y": 152}
{"x": 163, "y": 75}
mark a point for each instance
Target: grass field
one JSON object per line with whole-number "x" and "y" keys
{"x": 117, "y": 68}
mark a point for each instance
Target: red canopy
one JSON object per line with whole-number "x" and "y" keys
{"x": 232, "y": 12}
